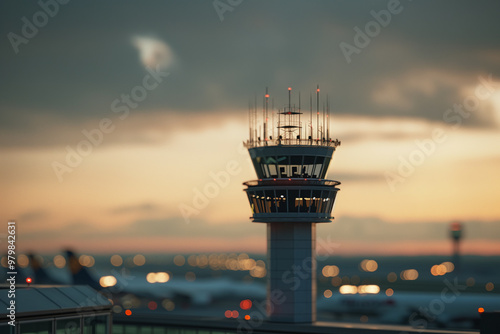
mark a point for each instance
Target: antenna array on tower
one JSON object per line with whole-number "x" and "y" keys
{"x": 288, "y": 127}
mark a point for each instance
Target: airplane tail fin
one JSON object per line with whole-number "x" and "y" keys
{"x": 40, "y": 276}
{"x": 79, "y": 273}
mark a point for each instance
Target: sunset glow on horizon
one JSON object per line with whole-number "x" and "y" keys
{"x": 160, "y": 177}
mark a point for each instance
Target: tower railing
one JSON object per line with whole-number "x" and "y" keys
{"x": 291, "y": 142}
{"x": 288, "y": 181}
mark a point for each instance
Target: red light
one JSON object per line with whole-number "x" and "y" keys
{"x": 228, "y": 314}
{"x": 235, "y": 314}
{"x": 289, "y": 88}
{"x": 246, "y": 304}
{"x": 289, "y": 179}
{"x": 247, "y": 317}
{"x": 317, "y": 90}
{"x": 480, "y": 310}
{"x": 128, "y": 313}
{"x": 305, "y": 179}
{"x": 267, "y": 95}
{"x": 152, "y": 305}
{"x": 29, "y": 280}
{"x": 260, "y": 179}
{"x": 274, "y": 179}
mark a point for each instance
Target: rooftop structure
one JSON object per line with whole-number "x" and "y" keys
{"x": 53, "y": 309}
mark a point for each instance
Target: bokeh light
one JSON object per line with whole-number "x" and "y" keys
{"x": 107, "y": 281}
{"x": 179, "y": 260}
{"x": 59, "y": 261}
{"x": 139, "y": 260}
{"x": 116, "y": 260}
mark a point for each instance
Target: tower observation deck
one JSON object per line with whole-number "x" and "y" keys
{"x": 291, "y": 152}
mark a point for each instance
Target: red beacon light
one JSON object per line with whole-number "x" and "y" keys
{"x": 289, "y": 88}
{"x": 28, "y": 280}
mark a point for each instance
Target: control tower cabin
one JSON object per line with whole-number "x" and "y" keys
{"x": 291, "y": 152}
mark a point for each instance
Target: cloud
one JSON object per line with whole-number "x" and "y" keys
{"x": 373, "y": 229}
{"x": 32, "y": 215}
{"x": 142, "y": 229}
{"x": 153, "y": 52}
{"x": 195, "y": 229}
{"x": 346, "y": 177}
{"x": 227, "y": 63}
{"x": 138, "y": 208}
{"x": 152, "y": 127}
{"x": 428, "y": 93}
{"x": 71, "y": 230}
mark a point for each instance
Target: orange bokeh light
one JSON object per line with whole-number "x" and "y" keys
{"x": 246, "y": 304}
{"x": 128, "y": 312}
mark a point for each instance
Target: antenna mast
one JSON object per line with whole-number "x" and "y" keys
{"x": 300, "y": 125}
{"x": 255, "y": 118}
{"x": 267, "y": 105}
{"x": 324, "y": 123}
{"x": 327, "y": 118}
{"x": 272, "y": 117}
{"x": 317, "y": 112}
{"x": 250, "y": 119}
{"x": 311, "y": 110}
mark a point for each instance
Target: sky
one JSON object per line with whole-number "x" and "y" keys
{"x": 116, "y": 117}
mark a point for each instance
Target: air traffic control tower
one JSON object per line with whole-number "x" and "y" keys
{"x": 291, "y": 152}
